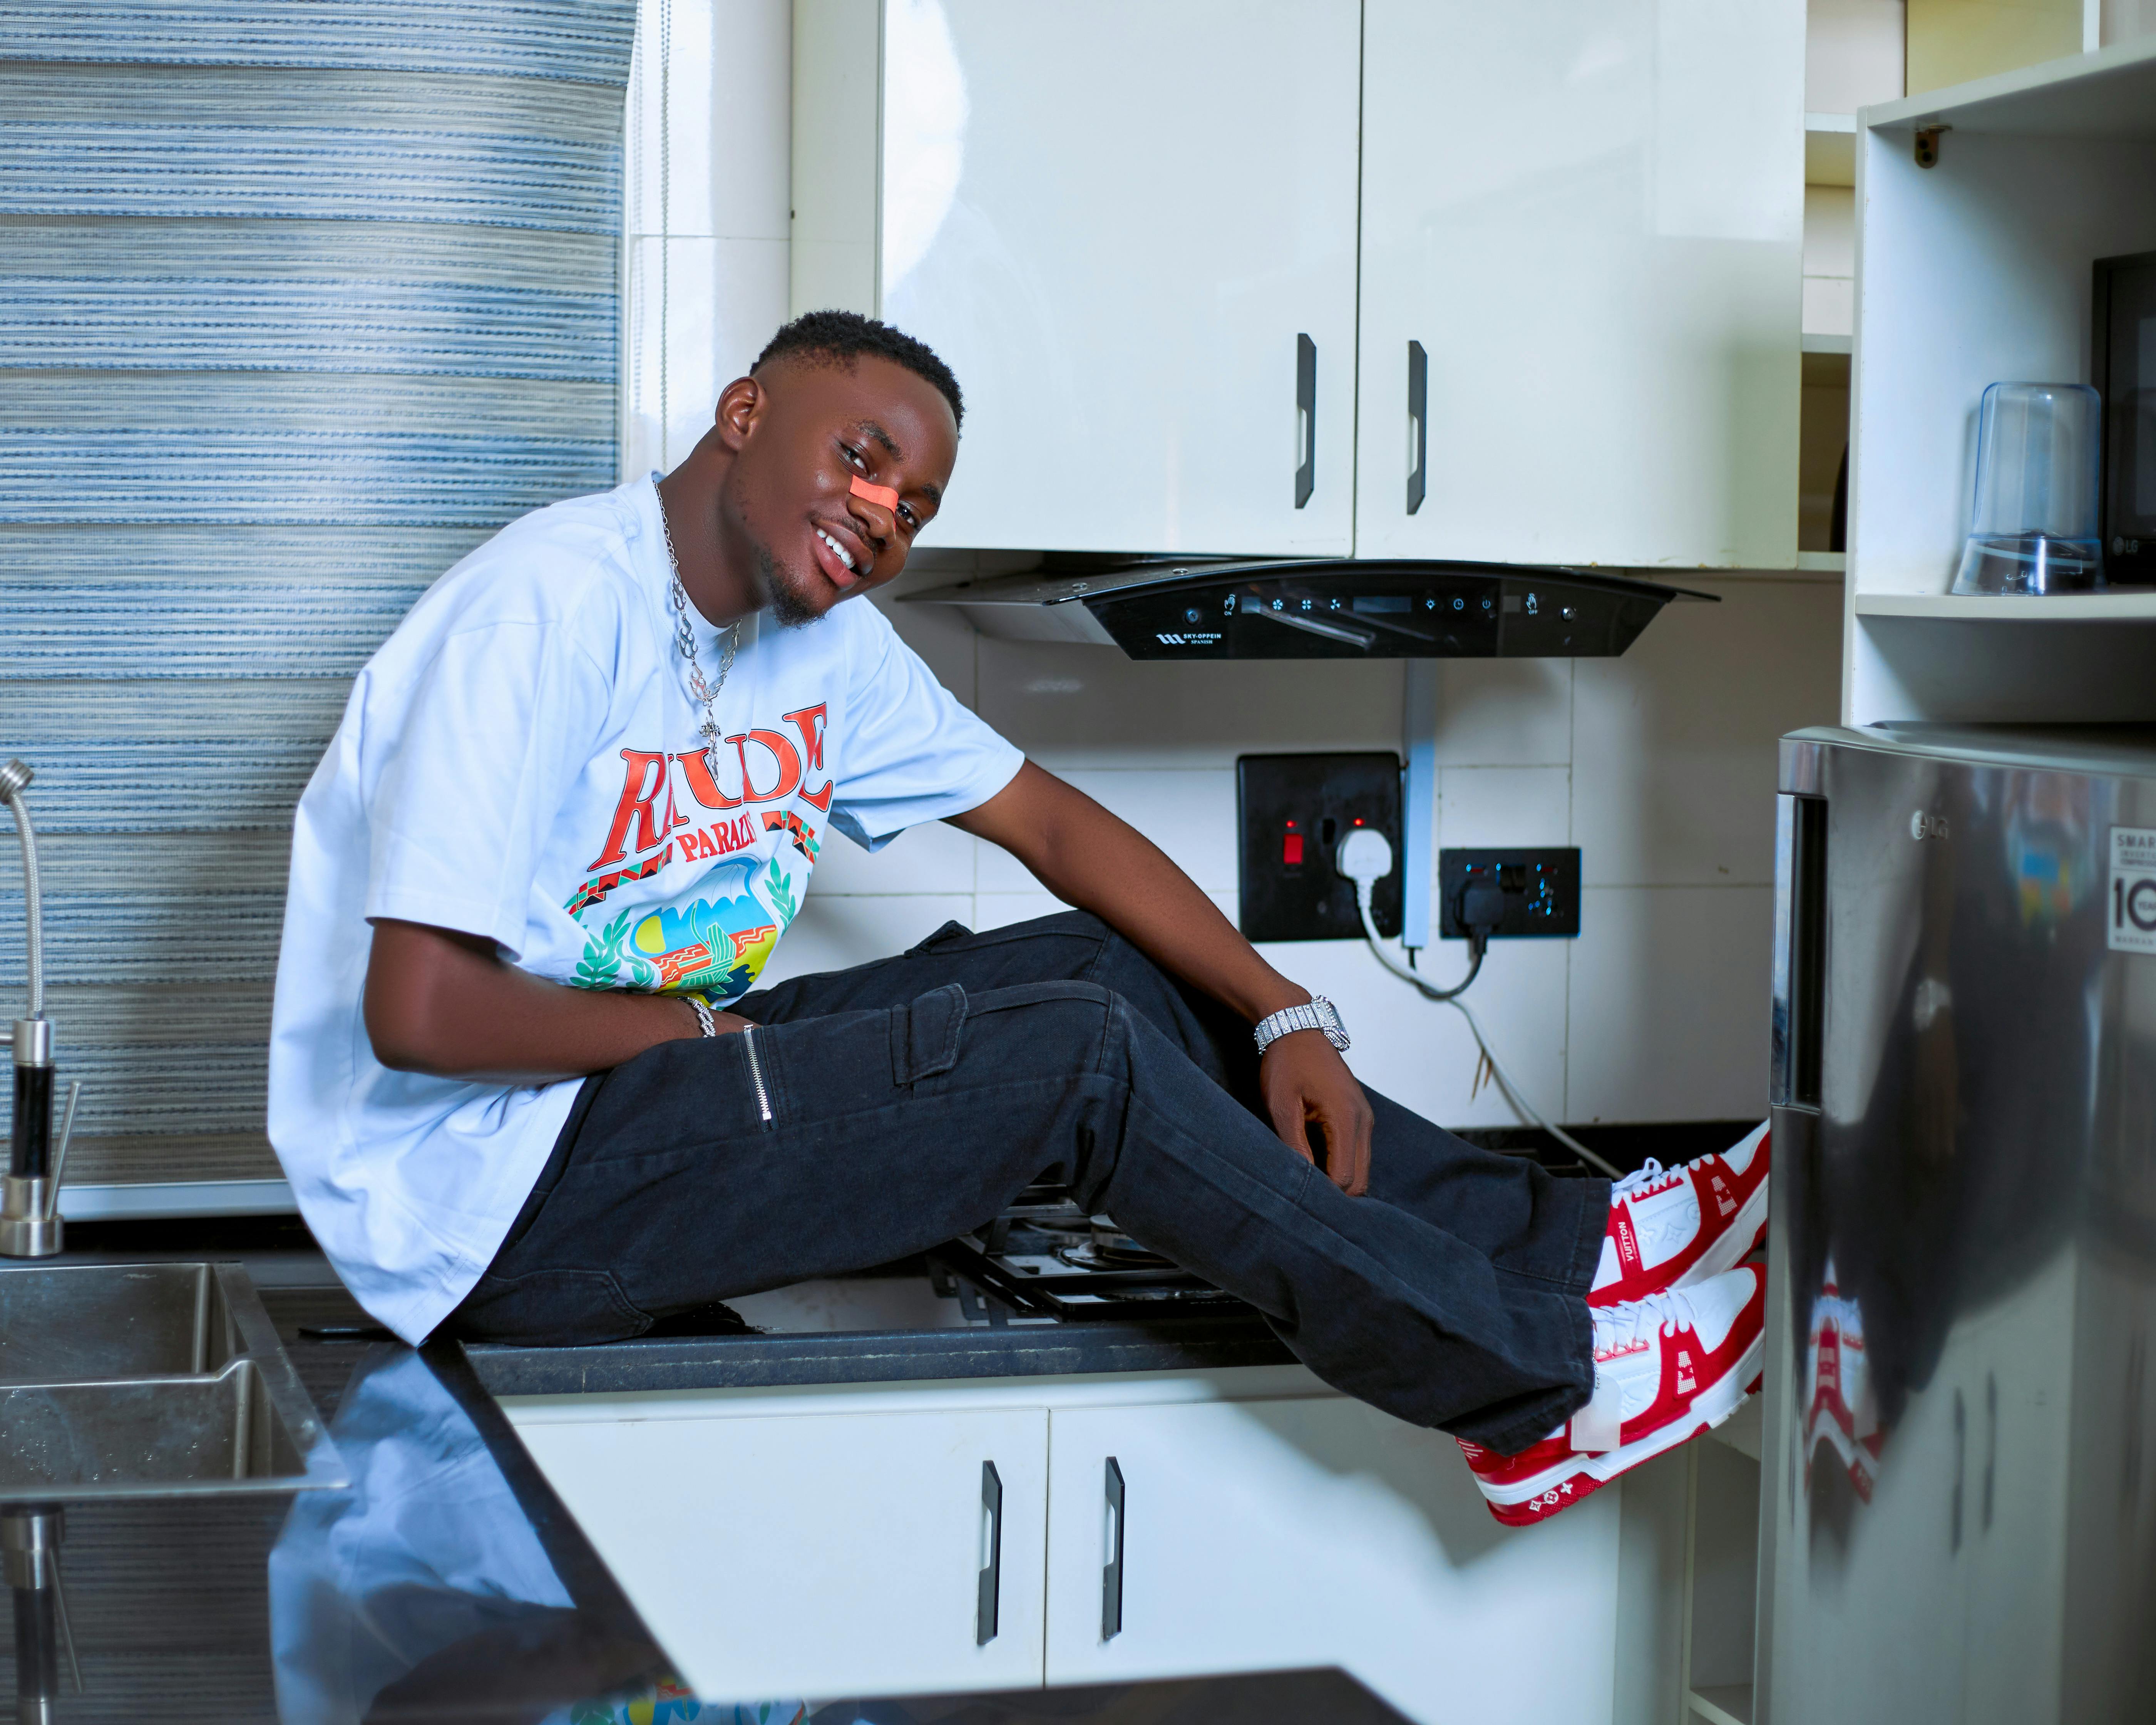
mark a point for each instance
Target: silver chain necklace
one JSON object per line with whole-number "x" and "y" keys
{"x": 684, "y": 641}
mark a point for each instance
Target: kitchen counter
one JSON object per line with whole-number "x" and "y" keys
{"x": 893, "y": 1356}
{"x": 447, "y": 1582}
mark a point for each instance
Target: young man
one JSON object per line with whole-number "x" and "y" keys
{"x": 522, "y": 1087}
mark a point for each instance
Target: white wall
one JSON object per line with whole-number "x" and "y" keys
{"x": 1660, "y": 766}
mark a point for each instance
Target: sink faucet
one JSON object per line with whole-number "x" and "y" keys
{"x": 30, "y": 1536}
{"x": 30, "y": 1191}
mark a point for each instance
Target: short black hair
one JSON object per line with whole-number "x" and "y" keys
{"x": 844, "y": 335}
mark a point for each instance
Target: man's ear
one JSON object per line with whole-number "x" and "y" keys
{"x": 742, "y": 404}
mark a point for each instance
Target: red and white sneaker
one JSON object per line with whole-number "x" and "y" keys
{"x": 1666, "y": 1368}
{"x": 1843, "y": 1413}
{"x": 1671, "y": 1228}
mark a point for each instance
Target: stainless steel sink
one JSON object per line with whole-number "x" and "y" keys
{"x": 61, "y": 1323}
{"x": 148, "y": 1380}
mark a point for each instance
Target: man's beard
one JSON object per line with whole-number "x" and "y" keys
{"x": 780, "y": 597}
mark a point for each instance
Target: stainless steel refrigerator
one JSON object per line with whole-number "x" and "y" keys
{"x": 1958, "y": 1510}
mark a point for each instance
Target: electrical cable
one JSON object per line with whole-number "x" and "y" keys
{"x": 1477, "y": 945}
{"x": 1365, "y": 881}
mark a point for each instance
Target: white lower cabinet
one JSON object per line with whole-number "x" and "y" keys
{"x": 817, "y": 1555}
{"x": 1316, "y": 1531}
{"x": 831, "y": 1543}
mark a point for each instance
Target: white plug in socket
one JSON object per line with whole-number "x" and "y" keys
{"x": 1363, "y": 856}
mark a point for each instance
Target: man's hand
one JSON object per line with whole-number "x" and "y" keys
{"x": 1305, "y": 1082}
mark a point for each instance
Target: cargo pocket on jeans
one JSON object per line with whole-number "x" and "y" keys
{"x": 550, "y": 1308}
{"x": 924, "y": 1033}
{"x": 953, "y": 930}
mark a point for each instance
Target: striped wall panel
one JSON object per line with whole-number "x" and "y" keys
{"x": 169, "y": 142}
{"x": 569, "y": 39}
{"x": 299, "y": 300}
{"x": 389, "y": 298}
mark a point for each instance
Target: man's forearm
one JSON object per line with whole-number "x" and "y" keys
{"x": 1090, "y": 858}
{"x": 444, "y": 1002}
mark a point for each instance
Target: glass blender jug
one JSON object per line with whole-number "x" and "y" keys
{"x": 2033, "y": 526}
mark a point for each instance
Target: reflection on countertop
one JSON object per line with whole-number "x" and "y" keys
{"x": 447, "y": 1582}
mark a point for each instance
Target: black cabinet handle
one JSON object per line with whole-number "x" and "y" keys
{"x": 1305, "y": 418}
{"x": 992, "y": 1505}
{"x": 1800, "y": 998}
{"x": 1961, "y": 1434}
{"x": 1990, "y": 1442}
{"x": 1418, "y": 423}
{"x": 1112, "y": 1574}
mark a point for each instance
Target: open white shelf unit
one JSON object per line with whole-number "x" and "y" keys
{"x": 2126, "y": 605}
{"x": 1971, "y": 272}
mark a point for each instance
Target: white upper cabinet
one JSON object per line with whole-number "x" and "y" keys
{"x": 1588, "y": 214}
{"x": 1130, "y": 229}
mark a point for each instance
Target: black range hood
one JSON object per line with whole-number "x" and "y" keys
{"x": 1318, "y": 609}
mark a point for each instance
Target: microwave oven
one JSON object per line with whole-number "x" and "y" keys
{"x": 2123, "y": 356}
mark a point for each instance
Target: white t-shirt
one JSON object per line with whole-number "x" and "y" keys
{"x": 521, "y": 761}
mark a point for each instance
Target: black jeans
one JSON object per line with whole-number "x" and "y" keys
{"x": 912, "y": 1099}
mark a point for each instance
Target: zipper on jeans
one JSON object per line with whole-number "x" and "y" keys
{"x": 756, "y": 1074}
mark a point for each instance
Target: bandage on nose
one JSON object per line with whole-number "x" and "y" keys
{"x": 884, "y": 494}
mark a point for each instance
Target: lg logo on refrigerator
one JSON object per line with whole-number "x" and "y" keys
{"x": 2132, "y": 906}
{"x": 1926, "y": 826}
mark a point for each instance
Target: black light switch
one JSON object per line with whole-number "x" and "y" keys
{"x": 1292, "y": 809}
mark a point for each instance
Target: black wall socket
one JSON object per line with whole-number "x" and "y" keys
{"x": 1540, "y": 890}
{"x": 1292, "y": 809}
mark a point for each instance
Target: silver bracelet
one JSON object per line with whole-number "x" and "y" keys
{"x": 703, "y": 1018}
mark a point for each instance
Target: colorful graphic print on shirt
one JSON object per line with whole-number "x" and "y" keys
{"x": 714, "y": 938}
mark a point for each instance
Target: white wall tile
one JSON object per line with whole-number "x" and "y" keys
{"x": 1669, "y": 1004}
{"x": 1504, "y": 712}
{"x": 999, "y": 910}
{"x": 944, "y": 641}
{"x": 1482, "y": 806}
{"x": 931, "y": 858}
{"x": 1077, "y": 707}
{"x": 1420, "y": 1052}
{"x": 834, "y": 931}
{"x": 1189, "y": 812}
{"x": 1675, "y": 744}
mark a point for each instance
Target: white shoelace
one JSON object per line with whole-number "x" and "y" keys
{"x": 1633, "y": 1321}
{"x": 1642, "y": 1179}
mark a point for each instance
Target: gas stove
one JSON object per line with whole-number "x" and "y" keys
{"x": 1044, "y": 1259}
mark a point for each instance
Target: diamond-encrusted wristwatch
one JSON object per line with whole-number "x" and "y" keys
{"x": 1320, "y": 1015}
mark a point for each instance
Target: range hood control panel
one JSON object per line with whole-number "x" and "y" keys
{"x": 1324, "y": 610}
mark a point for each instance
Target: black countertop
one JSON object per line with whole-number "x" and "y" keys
{"x": 732, "y": 1362}
{"x": 449, "y": 1583}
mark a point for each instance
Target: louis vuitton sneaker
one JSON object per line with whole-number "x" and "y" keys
{"x": 1666, "y": 1367}
{"x": 1844, "y": 1414}
{"x": 1669, "y": 1228}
